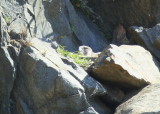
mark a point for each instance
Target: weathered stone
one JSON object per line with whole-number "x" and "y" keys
{"x": 90, "y": 110}
{"x": 86, "y": 31}
{"x": 127, "y": 12}
{"x": 7, "y": 67}
{"x": 127, "y": 66}
{"x": 147, "y": 101}
{"x": 4, "y": 37}
{"x": 46, "y": 84}
{"x": 148, "y": 38}
{"x": 7, "y": 76}
{"x": 63, "y": 25}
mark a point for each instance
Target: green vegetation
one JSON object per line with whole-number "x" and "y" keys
{"x": 77, "y": 57}
{"x": 8, "y": 19}
{"x": 71, "y": 25}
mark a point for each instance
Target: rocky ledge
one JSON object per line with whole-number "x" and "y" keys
{"x": 41, "y": 73}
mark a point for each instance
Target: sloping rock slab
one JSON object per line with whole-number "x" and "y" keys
{"x": 128, "y": 66}
{"x": 7, "y": 76}
{"x": 47, "y": 84}
{"x": 149, "y": 38}
{"x": 7, "y": 68}
{"x": 147, "y": 101}
{"x": 57, "y": 20}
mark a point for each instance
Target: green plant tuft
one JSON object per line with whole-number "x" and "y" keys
{"x": 71, "y": 25}
{"x": 77, "y": 57}
{"x": 8, "y": 19}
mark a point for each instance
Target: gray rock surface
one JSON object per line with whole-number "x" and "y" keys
{"x": 148, "y": 38}
{"x": 147, "y": 101}
{"x": 7, "y": 76}
{"x": 128, "y": 66}
{"x": 63, "y": 24}
{"x": 7, "y": 68}
{"x": 35, "y": 79}
{"x": 46, "y": 84}
{"x": 4, "y": 36}
{"x": 128, "y": 13}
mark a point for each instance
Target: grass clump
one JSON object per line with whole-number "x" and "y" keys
{"x": 8, "y": 19}
{"x": 71, "y": 26}
{"x": 76, "y": 57}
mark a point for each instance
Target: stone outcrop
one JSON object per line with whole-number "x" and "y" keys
{"x": 148, "y": 38}
{"x": 36, "y": 79}
{"x": 129, "y": 13}
{"x": 7, "y": 68}
{"x": 7, "y": 77}
{"x": 63, "y": 25}
{"x": 46, "y": 83}
{"x": 147, "y": 101}
{"x": 4, "y": 36}
{"x": 27, "y": 19}
{"x": 128, "y": 66}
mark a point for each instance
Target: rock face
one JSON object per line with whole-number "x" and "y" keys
{"x": 148, "y": 38}
{"x": 147, "y": 101}
{"x": 7, "y": 68}
{"x": 63, "y": 25}
{"x": 46, "y": 84}
{"x": 128, "y": 13}
{"x": 35, "y": 79}
{"x": 7, "y": 76}
{"x": 128, "y": 66}
{"x": 4, "y": 36}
